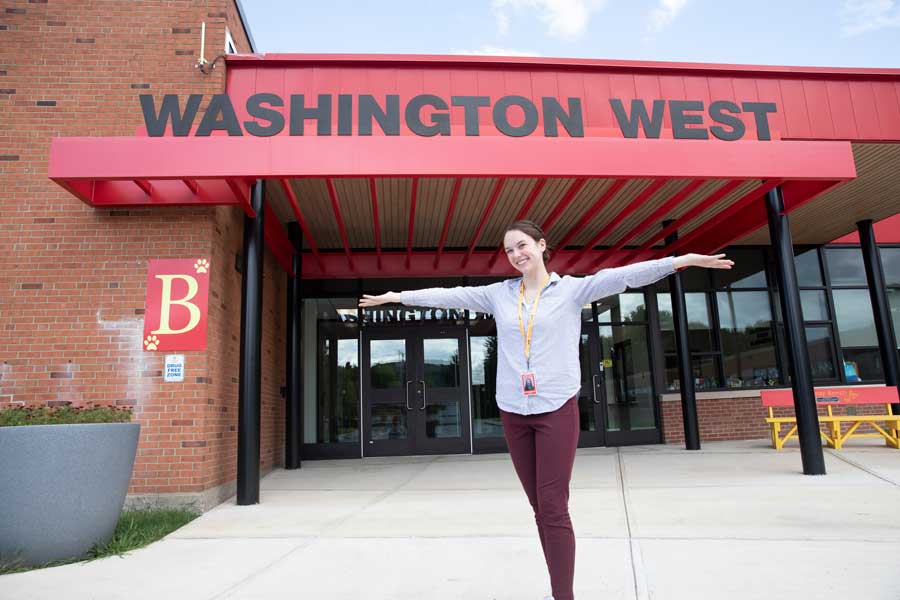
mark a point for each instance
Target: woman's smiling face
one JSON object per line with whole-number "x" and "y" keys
{"x": 522, "y": 251}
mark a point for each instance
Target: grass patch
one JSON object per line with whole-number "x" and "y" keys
{"x": 135, "y": 529}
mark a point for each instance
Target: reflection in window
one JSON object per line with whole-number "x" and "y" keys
{"x": 387, "y": 363}
{"x": 700, "y": 332}
{"x": 628, "y": 381}
{"x": 809, "y": 273}
{"x": 813, "y": 305}
{"x": 483, "y": 350}
{"x": 853, "y": 313}
{"x": 821, "y": 352}
{"x": 748, "y": 339}
{"x": 441, "y": 362}
{"x": 890, "y": 264}
{"x": 388, "y": 422}
{"x": 749, "y": 270}
{"x": 336, "y": 375}
{"x": 845, "y": 266}
{"x": 622, "y": 308}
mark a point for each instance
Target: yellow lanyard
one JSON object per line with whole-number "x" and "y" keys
{"x": 531, "y": 318}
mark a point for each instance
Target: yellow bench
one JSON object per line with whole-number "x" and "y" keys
{"x": 886, "y": 425}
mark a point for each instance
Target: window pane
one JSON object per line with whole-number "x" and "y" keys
{"x": 622, "y": 308}
{"x": 706, "y": 376}
{"x": 486, "y": 420}
{"x": 749, "y": 270}
{"x": 862, "y": 365}
{"x": 387, "y": 363}
{"x": 821, "y": 355}
{"x": 441, "y": 362}
{"x": 331, "y": 371}
{"x": 853, "y": 313}
{"x": 748, "y": 340}
{"x": 629, "y": 380}
{"x": 894, "y": 303}
{"x": 845, "y": 266}
{"x": 890, "y": 262}
{"x": 813, "y": 305}
{"x": 808, "y": 270}
{"x": 700, "y": 333}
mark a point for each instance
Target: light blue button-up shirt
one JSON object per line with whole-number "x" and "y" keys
{"x": 557, "y": 328}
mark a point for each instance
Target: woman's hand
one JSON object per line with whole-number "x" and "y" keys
{"x": 388, "y": 298}
{"x": 717, "y": 261}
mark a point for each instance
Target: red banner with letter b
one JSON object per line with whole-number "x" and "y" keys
{"x": 176, "y": 306}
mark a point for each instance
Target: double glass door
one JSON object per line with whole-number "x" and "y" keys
{"x": 616, "y": 400}
{"x": 415, "y": 391}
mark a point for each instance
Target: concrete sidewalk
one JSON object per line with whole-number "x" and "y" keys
{"x": 736, "y": 520}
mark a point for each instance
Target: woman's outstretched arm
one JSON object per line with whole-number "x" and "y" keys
{"x": 608, "y": 282}
{"x": 479, "y": 298}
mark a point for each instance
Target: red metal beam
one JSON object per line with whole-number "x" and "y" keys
{"x": 654, "y": 217}
{"x": 241, "y": 191}
{"x": 633, "y": 206}
{"x": 598, "y": 205}
{"x": 723, "y": 216}
{"x": 376, "y": 225}
{"x": 295, "y": 206}
{"x": 191, "y": 185}
{"x": 754, "y": 215}
{"x": 453, "y": 196}
{"x": 563, "y": 202}
{"x": 340, "y": 220}
{"x": 484, "y": 217}
{"x": 144, "y": 185}
{"x": 535, "y": 191}
{"x": 412, "y": 220}
{"x": 277, "y": 240}
{"x": 717, "y": 195}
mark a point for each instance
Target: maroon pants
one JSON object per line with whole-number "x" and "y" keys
{"x": 542, "y": 448}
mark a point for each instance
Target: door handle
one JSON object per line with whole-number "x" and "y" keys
{"x": 594, "y": 379}
{"x": 422, "y": 381}
{"x": 408, "y": 407}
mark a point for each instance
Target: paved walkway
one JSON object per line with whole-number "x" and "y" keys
{"x": 735, "y": 520}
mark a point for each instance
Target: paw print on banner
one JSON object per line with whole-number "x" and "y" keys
{"x": 151, "y": 343}
{"x": 202, "y": 266}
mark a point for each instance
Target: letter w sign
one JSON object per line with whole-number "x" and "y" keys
{"x": 176, "y": 306}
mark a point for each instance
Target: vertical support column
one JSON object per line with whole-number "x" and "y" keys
{"x": 811, "y": 453}
{"x": 679, "y": 319}
{"x": 294, "y": 406}
{"x": 878, "y": 293}
{"x": 251, "y": 340}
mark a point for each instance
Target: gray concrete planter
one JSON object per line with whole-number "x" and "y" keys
{"x": 62, "y": 487}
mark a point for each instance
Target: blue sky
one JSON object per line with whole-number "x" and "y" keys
{"x": 839, "y": 33}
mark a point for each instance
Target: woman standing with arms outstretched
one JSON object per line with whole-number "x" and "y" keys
{"x": 538, "y": 319}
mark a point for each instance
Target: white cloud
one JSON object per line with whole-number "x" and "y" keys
{"x": 859, "y": 16}
{"x": 566, "y": 19}
{"x": 495, "y": 51}
{"x": 663, "y": 14}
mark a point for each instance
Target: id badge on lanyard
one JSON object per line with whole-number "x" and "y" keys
{"x": 529, "y": 384}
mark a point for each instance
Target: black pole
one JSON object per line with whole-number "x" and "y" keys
{"x": 251, "y": 338}
{"x": 679, "y": 319}
{"x": 878, "y": 293}
{"x": 811, "y": 452}
{"x": 293, "y": 429}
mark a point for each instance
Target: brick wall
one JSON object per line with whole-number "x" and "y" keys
{"x": 72, "y": 280}
{"x": 738, "y": 419}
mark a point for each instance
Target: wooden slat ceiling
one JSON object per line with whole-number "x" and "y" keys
{"x": 875, "y": 194}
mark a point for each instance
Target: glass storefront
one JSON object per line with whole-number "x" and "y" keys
{"x": 417, "y": 380}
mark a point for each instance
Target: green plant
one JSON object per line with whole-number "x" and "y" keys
{"x": 135, "y": 529}
{"x": 63, "y": 415}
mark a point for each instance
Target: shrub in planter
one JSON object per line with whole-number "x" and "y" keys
{"x": 65, "y": 473}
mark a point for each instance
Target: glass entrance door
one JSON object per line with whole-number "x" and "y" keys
{"x": 617, "y": 401}
{"x": 415, "y": 391}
